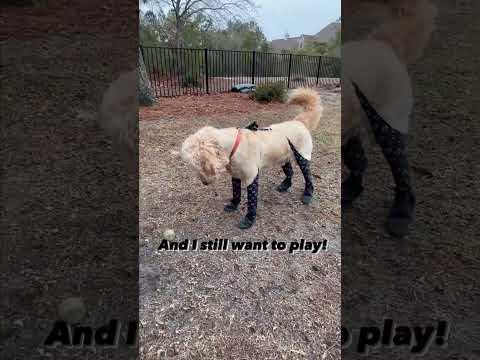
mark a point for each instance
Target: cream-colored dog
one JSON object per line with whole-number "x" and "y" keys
{"x": 244, "y": 152}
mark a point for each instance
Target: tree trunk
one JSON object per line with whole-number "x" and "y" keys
{"x": 145, "y": 91}
{"x": 179, "y": 32}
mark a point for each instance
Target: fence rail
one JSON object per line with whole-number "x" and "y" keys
{"x": 180, "y": 71}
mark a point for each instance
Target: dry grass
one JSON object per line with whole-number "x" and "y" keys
{"x": 233, "y": 305}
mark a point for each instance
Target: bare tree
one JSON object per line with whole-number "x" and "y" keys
{"x": 218, "y": 11}
{"x": 146, "y": 95}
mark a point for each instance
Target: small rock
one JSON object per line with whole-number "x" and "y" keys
{"x": 18, "y": 323}
{"x": 169, "y": 234}
{"x": 72, "y": 310}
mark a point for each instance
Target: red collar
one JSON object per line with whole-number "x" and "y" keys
{"x": 235, "y": 144}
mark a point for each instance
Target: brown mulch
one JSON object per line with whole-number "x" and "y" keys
{"x": 51, "y": 18}
{"x": 201, "y": 105}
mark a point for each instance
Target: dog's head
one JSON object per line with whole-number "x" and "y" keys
{"x": 205, "y": 155}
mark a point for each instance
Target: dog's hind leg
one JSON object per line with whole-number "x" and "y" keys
{"x": 393, "y": 145}
{"x": 353, "y": 156}
{"x": 237, "y": 195}
{"x": 287, "y": 182}
{"x": 252, "y": 193}
{"x": 304, "y": 165}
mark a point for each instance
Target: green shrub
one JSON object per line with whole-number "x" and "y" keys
{"x": 271, "y": 91}
{"x": 190, "y": 81}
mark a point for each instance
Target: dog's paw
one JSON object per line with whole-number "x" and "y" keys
{"x": 246, "y": 223}
{"x": 230, "y": 207}
{"x": 307, "y": 199}
{"x": 283, "y": 187}
{"x": 398, "y": 226}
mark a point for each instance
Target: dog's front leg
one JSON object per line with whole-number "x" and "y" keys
{"x": 252, "y": 192}
{"x": 237, "y": 195}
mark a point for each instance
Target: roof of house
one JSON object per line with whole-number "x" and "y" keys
{"x": 285, "y": 44}
{"x": 328, "y": 32}
{"x": 324, "y": 35}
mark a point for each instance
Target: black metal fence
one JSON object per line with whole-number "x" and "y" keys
{"x": 179, "y": 71}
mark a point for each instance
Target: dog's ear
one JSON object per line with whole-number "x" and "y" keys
{"x": 221, "y": 155}
{"x": 219, "y": 152}
{"x": 207, "y": 165}
{"x": 213, "y": 155}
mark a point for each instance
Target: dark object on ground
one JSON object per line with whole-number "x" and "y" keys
{"x": 243, "y": 88}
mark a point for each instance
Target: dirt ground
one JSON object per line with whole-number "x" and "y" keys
{"x": 237, "y": 305}
{"x": 432, "y": 274}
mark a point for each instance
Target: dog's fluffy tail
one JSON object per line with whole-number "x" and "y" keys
{"x": 409, "y": 29}
{"x": 311, "y": 103}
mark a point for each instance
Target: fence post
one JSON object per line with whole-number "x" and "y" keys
{"x": 253, "y": 66}
{"x": 143, "y": 54}
{"x": 206, "y": 70}
{"x": 289, "y": 70}
{"x": 318, "y": 70}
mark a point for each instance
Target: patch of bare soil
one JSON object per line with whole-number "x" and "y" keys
{"x": 237, "y": 305}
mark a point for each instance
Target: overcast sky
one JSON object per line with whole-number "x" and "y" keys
{"x": 277, "y": 17}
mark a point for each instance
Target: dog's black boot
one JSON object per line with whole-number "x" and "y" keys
{"x": 351, "y": 189}
{"x": 287, "y": 182}
{"x": 230, "y": 207}
{"x": 252, "y": 192}
{"x": 307, "y": 194}
{"x": 304, "y": 165}
{"x": 246, "y": 222}
{"x": 402, "y": 213}
{"x": 307, "y": 198}
{"x": 237, "y": 195}
{"x": 284, "y": 186}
